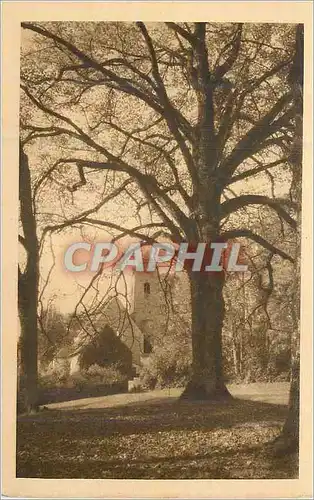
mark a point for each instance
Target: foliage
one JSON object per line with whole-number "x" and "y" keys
{"x": 53, "y": 334}
{"x": 169, "y": 364}
{"x": 98, "y": 375}
{"x": 95, "y": 375}
{"x": 258, "y": 322}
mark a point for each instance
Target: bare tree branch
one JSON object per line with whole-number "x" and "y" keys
{"x": 247, "y": 233}
{"x": 257, "y": 170}
{"x": 234, "y": 204}
{"x": 122, "y": 84}
{"x": 221, "y": 70}
{"x": 264, "y": 128}
{"x": 169, "y": 111}
{"x": 187, "y": 35}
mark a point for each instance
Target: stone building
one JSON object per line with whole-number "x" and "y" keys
{"x": 155, "y": 302}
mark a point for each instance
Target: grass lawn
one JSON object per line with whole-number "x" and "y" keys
{"x": 154, "y": 436}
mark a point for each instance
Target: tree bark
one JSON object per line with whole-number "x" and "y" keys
{"x": 288, "y": 440}
{"x": 28, "y": 293}
{"x": 207, "y": 302}
{"x": 207, "y": 320}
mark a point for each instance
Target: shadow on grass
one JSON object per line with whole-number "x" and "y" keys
{"x": 156, "y": 416}
{"x": 77, "y": 443}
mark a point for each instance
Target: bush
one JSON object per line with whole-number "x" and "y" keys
{"x": 56, "y": 378}
{"x": 168, "y": 366}
{"x": 108, "y": 375}
{"x": 148, "y": 375}
{"x": 93, "y": 376}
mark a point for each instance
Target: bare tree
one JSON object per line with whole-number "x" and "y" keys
{"x": 28, "y": 288}
{"x": 184, "y": 112}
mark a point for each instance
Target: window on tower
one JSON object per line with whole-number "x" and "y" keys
{"x": 146, "y": 288}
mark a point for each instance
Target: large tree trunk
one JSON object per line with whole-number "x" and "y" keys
{"x": 28, "y": 294}
{"x": 206, "y": 288}
{"x": 207, "y": 320}
{"x": 288, "y": 440}
{"x": 28, "y": 349}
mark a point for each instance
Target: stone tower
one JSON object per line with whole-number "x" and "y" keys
{"x": 150, "y": 311}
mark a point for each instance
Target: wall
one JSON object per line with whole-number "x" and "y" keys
{"x": 160, "y": 302}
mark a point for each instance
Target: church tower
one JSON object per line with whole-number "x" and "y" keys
{"x": 150, "y": 310}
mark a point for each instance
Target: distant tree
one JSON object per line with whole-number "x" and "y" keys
{"x": 53, "y": 334}
{"x": 258, "y": 323}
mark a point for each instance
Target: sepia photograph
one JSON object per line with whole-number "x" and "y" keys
{"x": 159, "y": 249}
